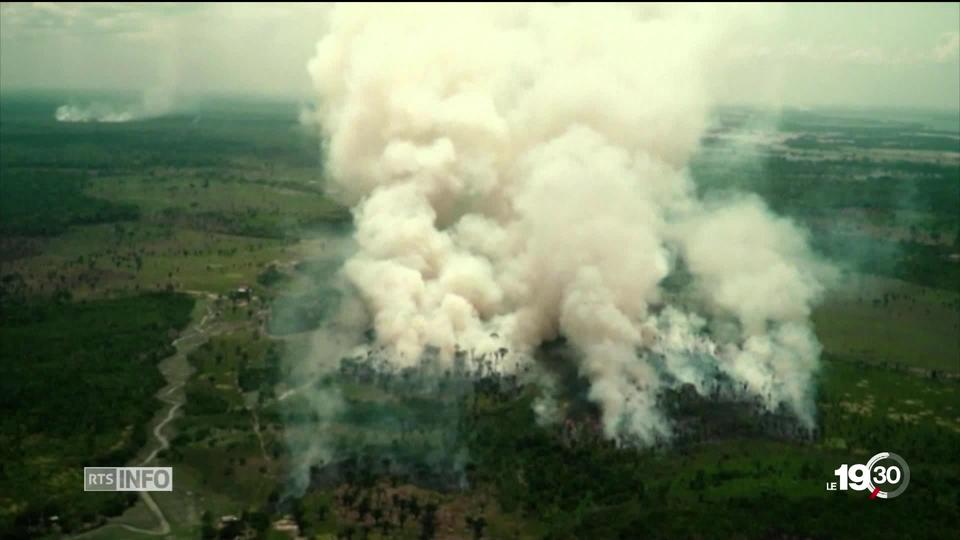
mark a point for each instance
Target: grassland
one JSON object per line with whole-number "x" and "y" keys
{"x": 198, "y": 202}
{"x": 122, "y": 259}
{"x": 882, "y": 320}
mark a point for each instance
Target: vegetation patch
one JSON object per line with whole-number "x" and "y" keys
{"x": 77, "y": 385}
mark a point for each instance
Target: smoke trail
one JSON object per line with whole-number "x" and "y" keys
{"x": 518, "y": 173}
{"x": 153, "y": 103}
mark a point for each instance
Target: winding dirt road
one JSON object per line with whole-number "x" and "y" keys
{"x": 176, "y": 370}
{"x": 164, "y": 527}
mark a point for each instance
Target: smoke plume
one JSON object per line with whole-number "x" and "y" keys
{"x": 153, "y": 103}
{"x": 518, "y": 173}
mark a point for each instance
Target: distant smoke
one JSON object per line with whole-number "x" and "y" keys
{"x": 518, "y": 173}
{"x": 153, "y": 103}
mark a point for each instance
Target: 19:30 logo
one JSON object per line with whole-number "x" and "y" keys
{"x": 878, "y": 472}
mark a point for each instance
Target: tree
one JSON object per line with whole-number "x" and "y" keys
{"x": 257, "y": 520}
{"x": 477, "y": 525}
{"x": 428, "y": 522}
{"x": 62, "y": 296}
{"x": 207, "y": 530}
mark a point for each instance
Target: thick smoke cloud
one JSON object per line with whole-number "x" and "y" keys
{"x": 518, "y": 173}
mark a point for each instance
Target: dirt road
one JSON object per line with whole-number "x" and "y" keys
{"x": 176, "y": 370}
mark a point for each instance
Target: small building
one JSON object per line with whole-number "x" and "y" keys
{"x": 242, "y": 292}
{"x": 288, "y": 526}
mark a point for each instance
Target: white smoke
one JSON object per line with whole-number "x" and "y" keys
{"x": 153, "y": 103}
{"x": 518, "y": 172}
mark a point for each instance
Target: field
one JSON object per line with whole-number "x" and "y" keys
{"x": 889, "y": 321}
{"x": 117, "y": 239}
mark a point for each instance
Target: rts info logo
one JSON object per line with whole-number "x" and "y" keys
{"x": 128, "y": 478}
{"x": 885, "y": 476}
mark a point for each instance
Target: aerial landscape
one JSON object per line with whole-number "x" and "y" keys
{"x": 483, "y": 276}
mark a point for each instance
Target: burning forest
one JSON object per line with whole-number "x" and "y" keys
{"x": 500, "y": 204}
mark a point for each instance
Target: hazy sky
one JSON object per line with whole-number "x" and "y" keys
{"x": 796, "y": 55}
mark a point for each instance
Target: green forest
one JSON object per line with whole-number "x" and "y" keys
{"x": 77, "y": 384}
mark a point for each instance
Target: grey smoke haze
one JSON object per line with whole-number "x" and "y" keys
{"x": 517, "y": 175}
{"x": 861, "y": 55}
